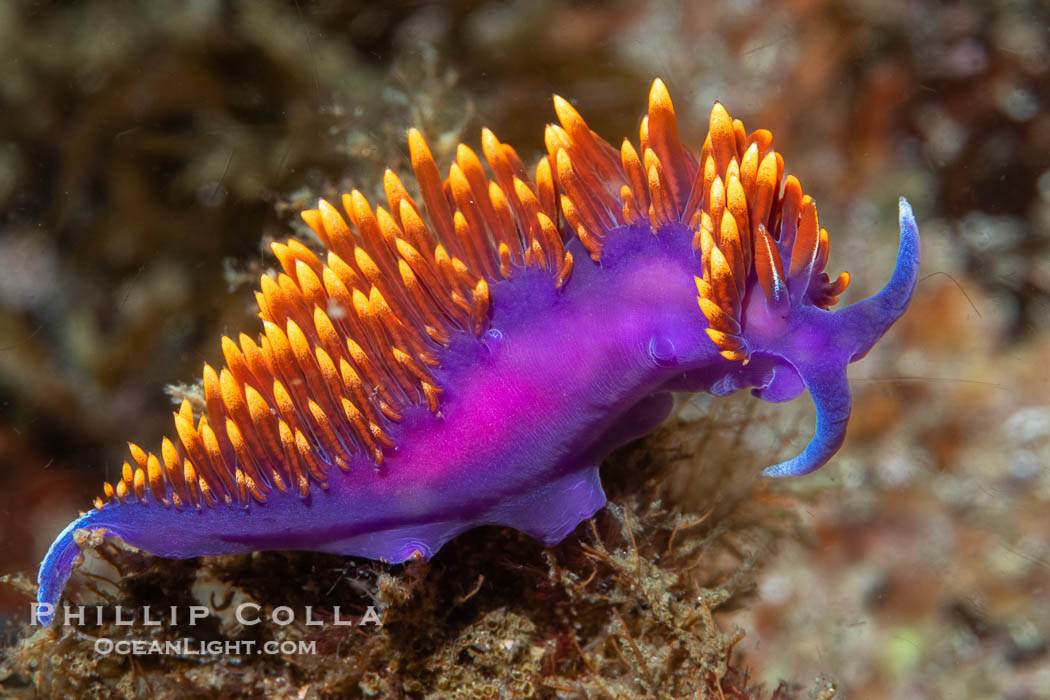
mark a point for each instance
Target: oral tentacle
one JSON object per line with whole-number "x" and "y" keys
{"x": 868, "y": 320}
{"x": 830, "y": 390}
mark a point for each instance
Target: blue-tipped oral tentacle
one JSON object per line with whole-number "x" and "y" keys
{"x": 829, "y": 388}
{"x": 869, "y": 319}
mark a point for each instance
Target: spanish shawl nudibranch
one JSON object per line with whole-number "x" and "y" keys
{"x": 475, "y": 364}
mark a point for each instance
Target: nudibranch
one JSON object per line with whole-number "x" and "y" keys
{"x": 472, "y": 360}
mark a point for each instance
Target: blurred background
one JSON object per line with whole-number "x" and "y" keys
{"x": 149, "y": 152}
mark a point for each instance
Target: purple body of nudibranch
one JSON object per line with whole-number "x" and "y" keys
{"x": 558, "y": 379}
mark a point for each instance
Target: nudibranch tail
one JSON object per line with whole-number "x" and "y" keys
{"x": 62, "y": 557}
{"x": 453, "y": 359}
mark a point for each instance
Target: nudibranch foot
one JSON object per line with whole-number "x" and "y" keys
{"x": 553, "y": 511}
{"x": 470, "y": 356}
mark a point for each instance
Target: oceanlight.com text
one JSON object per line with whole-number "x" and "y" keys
{"x": 196, "y": 647}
